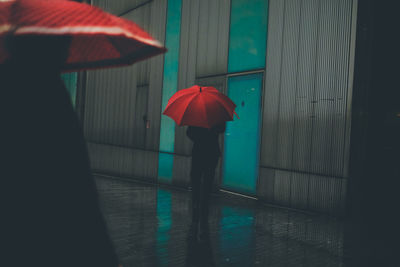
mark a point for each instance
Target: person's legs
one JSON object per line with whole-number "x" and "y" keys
{"x": 206, "y": 193}
{"x": 196, "y": 195}
{"x": 196, "y": 174}
{"x": 207, "y": 185}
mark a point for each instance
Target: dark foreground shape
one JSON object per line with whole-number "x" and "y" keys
{"x": 50, "y": 212}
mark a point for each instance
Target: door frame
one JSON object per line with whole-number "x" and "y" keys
{"x": 262, "y": 93}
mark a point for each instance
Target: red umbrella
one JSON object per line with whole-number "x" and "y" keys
{"x": 99, "y": 39}
{"x": 200, "y": 106}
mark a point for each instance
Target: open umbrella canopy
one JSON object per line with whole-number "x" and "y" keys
{"x": 99, "y": 39}
{"x": 200, "y": 106}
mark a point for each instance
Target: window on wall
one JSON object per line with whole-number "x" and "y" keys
{"x": 248, "y": 35}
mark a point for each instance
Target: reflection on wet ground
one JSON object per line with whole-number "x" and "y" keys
{"x": 149, "y": 227}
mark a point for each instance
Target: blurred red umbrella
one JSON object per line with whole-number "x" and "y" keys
{"x": 99, "y": 39}
{"x": 200, "y": 106}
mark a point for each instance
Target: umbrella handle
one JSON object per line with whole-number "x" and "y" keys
{"x": 234, "y": 112}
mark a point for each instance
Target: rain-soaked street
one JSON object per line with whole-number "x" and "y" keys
{"x": 149, "y": 227}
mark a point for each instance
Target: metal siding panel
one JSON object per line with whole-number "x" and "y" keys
{"x": 343, "y": 39}
{"x": 181, "y": 170}
{"x": 306, "y": 75}
{"x": 353, "y": 22}
{"x": 140, "y": 116}
{"x": 115, "y": 116}
{"x": 282, "y": 188}
{"x": 108, "y": 105}
{"x": 212, "y": 37}
{"x": 93, "y": 93}
{"x": 123, "y": 161}
{"x": 315, "y": 198}
{"x": 343, "y": 193}
{"x": 187, "y": 20}
{"x": 288, "y": 86}
{"x": 88, "y": 112}
{"x": 102, "y": 109}
{"x": 299, "y": 190}
{"x": 130, "y": 120}
{"x": 118, "y": 7}
{"x": 97, "y": 132}
{"x": 265, "y": 188}
{"x": 151, "y": 165}
{"x": 272, "y": 84}
{"x": 306, "y": 105}
{"x": 187, "y": 64}
{"x": 188, "y": 44}
{"x": 201, "y": 62}
{"x": 157, "y": 29}
{"x": 142, "y": 17}
{"x": 325, "y": 194}
{"x": 326, "y": 95}
{"x": 192, "y": 44}
{"x": 125, "y": 111}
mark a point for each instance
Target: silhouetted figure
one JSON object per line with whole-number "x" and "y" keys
{"x": 205, "y": 155}
{"x": 51, "y": 214}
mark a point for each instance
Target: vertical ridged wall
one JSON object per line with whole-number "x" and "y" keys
{"x": 306, "y": 104}
{"x": 118, "y": 7}
{"x": 122, "y": 107}
{"x": 306, "y": 109}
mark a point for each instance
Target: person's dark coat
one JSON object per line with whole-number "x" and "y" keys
{"x": 206, "y": 149}
{"x": 50, "y": 210}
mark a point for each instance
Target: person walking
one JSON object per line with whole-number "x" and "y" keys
{"x": 205, "y": 155}
{"x": 205, "y": 110}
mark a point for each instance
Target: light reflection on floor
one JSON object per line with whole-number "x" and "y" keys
{"x": 149, "y": 227}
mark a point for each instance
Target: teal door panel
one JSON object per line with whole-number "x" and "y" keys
{"x": 247, "y": 35}
{"x": 242, "y": 136}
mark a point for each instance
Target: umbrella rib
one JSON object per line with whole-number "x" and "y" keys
{"x": 171, "y": 103}
{"x": 178, "y": 97}
{"x": 190, "y": 102}
{"x": 223, "y": 104}
{"x": 114, "y": 44}
{"x": 205, "y": 111}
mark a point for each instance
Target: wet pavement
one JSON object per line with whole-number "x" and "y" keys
{"x": 149, "y": 227}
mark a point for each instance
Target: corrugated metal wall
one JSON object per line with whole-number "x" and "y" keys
{"x": 306, "y": 117}
{"x": 306, "y": 97}
{"x": 122, "y": 108}
{"x": 118, "y": 7}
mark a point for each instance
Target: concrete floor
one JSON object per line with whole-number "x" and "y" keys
{"x": 149, "y": 227}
